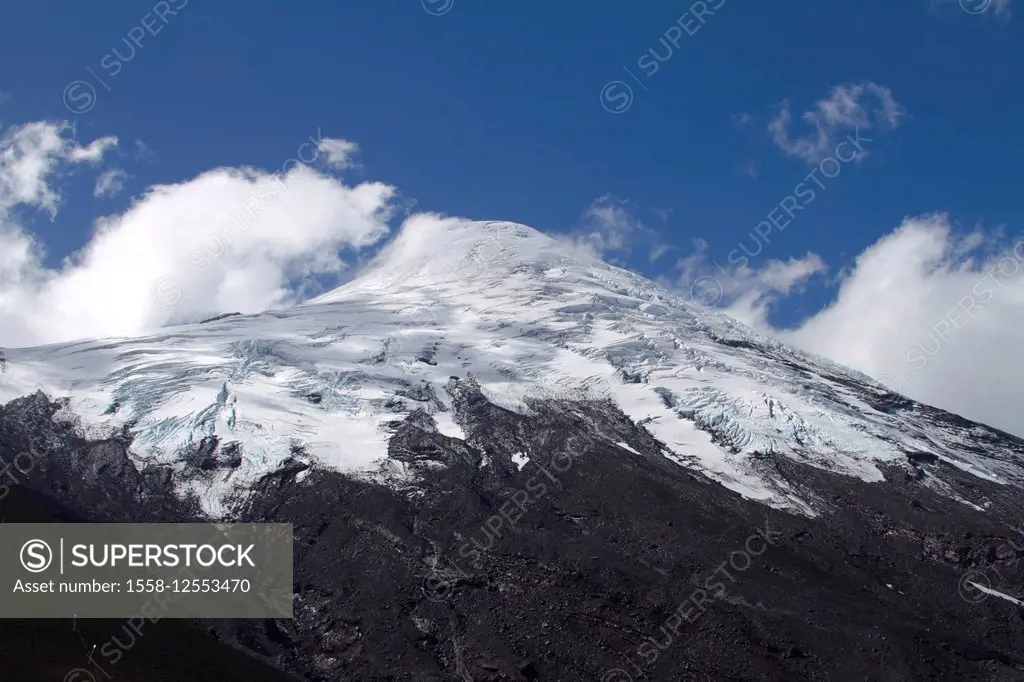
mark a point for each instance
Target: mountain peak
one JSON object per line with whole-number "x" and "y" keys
{"x": 431, "y": 250}
{"x": 526, "y": 317}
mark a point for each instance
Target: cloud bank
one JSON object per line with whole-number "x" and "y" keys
{"x": 935, "y": 316}
{"x": 848, "y": 108}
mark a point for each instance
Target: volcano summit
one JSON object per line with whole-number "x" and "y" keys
{"x": 508, "y": 460}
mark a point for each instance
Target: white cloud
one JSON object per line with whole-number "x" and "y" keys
{"x": 759, "y": 290}
{"x": 742, "y": 119}
{"x": 226, "y": 240}
{"x": 142, "y": 152}
{"x": 852, "y": 107}
{"x": 31, "y": 153}
{"x": 610, "y": 227}
{"x": 94, "y": 152}
{"x": 611, "y": 224}
{"x": 337, "y": 153}
{"x": 657, "y": 251}
{"x": 748, "y": 168}
{"x": 936, "y": 316}
{"x": 109, "y": 183}
{"x": 745, "y": 293}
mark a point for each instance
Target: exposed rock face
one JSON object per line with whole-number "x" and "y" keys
{"x": 563, "y": 545}
{"x": 43, "y": 449}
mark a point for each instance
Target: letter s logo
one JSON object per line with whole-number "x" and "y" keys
{"x": 36, "y": 556}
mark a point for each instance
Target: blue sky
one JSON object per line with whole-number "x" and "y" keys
{"x": 500, "y": 110}
{"x": 493, "y": 110}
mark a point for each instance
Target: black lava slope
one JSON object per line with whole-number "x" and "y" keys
{"x": 563, "y": 546}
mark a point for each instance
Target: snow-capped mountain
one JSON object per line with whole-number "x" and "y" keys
{"x": 506, "y": 460}
{"x": 525, "y": 317}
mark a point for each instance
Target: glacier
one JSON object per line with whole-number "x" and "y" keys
{"x": 525, "y": 316}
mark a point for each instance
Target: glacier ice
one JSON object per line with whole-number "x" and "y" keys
{"x": 525, "y": 315}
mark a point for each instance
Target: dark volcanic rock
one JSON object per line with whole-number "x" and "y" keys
{"x": 100, "y": 480}
{"x": 592, "y": 558}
